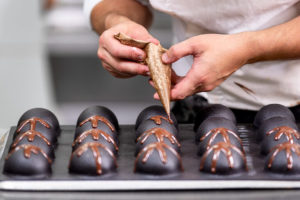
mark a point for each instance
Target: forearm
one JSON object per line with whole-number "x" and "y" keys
{"x": 276, "y": 43}
{"x": 111, "y": 12}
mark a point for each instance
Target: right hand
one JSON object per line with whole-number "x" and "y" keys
{"x": 122, "y": 60}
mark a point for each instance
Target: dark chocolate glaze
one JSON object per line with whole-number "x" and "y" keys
{"x": 272, "y": 123}
{"x": 149, "y": 124}
{"x": 284, "y": 158}
{"x": 215, "y": 151}
{"x": 217, "y": 135}
{"x": 213, "y": 110}
{"x": 162, "y": 166}
{"x": 28, "y": 149}
{"x": 270, "y": 111}
{"x": 151, "y": 111}
{"x": 76, "y": 166}
{"x": 44, "y": 114}
{"x": 96, "y": 134}
{"x": 213, "y": 123}
{"x": 277, "y": 136}
{"x": 100, "y": 111}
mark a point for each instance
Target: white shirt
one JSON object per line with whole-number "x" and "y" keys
{"x": 272, "y": 81}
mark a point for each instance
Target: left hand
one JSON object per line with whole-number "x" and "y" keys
{"x": 216, "y": 57}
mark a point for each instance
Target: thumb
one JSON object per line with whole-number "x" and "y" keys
{"x": 177, "y": 51}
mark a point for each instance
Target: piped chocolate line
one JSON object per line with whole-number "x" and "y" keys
{"x": 217, "y": 149}
{"x": 95, "y": 133}
{"x": 288, "y": 132}
{"x": 30, "y": 134}
{"x": 224, "y": 132}
{"x": 28, "y": 149}
{"x": 158, "y": 118}
{"x": 33, "y": 121}
{"x": 288, "y": 148}
{"x": 93, "y": 146}
{"x": 160, "y": 148}
{"x": 160, "y": 135}
{"x": 94, "y": 121}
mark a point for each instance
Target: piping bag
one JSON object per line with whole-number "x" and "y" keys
{"x": 160, "y": 73}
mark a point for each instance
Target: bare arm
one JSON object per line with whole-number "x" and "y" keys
{"x": 110, "y": 17}
{"x": 111, "y": 12}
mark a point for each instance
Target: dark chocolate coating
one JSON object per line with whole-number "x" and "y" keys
{"x": 155, "y": 166}
{"x": 50, "y": 134}
{"x": 202, "y": 147}
{"x": 44, "y": 114}
{"x": 86, "y": 164}
{"x": 280, "y": 163}
{"x": 212, "y": 123}
{"x": 102, "y": 126}
{"x": 151, "y": 139}
{"x": 148, "y": 124}
{"x": 222, "y": 166}
{"x": 100, "y": 111}
{"x": 49, "y": 150}
{"x": 213, "y": 110}
{"x": 270, "y": 111}
{"x": 101, "y": 140}
{"x": 271, "y": 123}
{"x": 18, "y": 164}
{"x": 151, "y": 111}
{"x": 269, "y": 142}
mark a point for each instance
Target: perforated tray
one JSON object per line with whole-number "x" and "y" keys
{"x": 125, "y": 179}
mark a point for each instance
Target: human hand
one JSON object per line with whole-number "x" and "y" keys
{"x": 216, "y": 57}
{"x": 122, "y": 60}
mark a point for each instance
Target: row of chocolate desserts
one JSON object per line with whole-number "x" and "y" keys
{"x": 157, "y": 145}
{"x": 219, "y": 144}
{"x": 32, "y": 150}
{"x": 279, "y": 136}
{"x": 95, "y": 146}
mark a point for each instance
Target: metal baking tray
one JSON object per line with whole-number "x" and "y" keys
{"x": 125, "y": 180}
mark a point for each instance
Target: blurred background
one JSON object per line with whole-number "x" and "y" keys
{"x": 48, "y": 58}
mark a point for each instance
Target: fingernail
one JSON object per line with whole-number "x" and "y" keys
{"x": 148, "y": 73}
{"x": 140, "y": 57}
{"x": 165, "y": 57}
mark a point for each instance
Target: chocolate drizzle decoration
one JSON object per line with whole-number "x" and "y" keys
{"x": 33, "y": 121}
{"x": 30, "y": 134}
{"x": 28, "y": 149}
{"x": 94, "y": 147}
{"x": 224, "y": 147}
{"x": 94, "y": 121}
{"x": 95, "y": 133}
{"x": 224, "y": 132}
{"x": 288, "y": 132}
{"x": 160, "y": 134}
{"x": 288, "y": 148}
{"x": 160, "y": 148}
{"x": 157, "y": 119}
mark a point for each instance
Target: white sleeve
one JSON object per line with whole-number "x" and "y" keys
{"x": 88, "y": 6}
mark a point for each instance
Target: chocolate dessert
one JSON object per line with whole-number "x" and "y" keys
{"x": 92, "y": 158}
{"x": 213, "y": 110}
{"x": 212, "y": 123}
{"x": 272, "y": 123}
{"x": 149, "y": 124}
{"x": 156, "y": 135}
{"x": 157, "y": 113}
{"x": 158, "y": 159}
{"x": 284, "y": 158}
{"x": 92, "y": 115}
{"x": 270, "y": 111}
{"x": 27, "y": 159}
{"x": 223, "y": 158}
{"x": 277, "y": 136}
{"x": 217, "y": 135}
